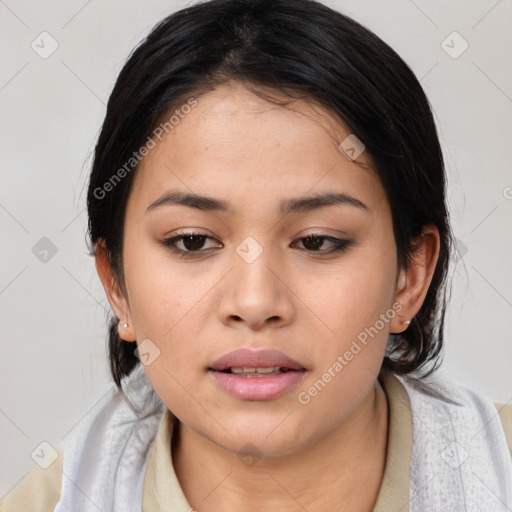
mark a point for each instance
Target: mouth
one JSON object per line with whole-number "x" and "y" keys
{"x": 249, "y": 362}
{"x": 256, "y": 374}
{"x": 250, "y": 372}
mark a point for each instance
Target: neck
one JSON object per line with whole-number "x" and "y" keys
{"x": 346, "y": 467}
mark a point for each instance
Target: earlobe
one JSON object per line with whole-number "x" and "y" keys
{"x": 123, "y": 328}
{"x": 413, "y": 283}
{"x": 114, "y": 294}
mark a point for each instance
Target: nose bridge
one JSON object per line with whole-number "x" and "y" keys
{"x": 252, "y": 274}
{"x": 255, "y": 292}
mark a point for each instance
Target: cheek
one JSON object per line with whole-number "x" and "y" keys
{"x": 169, "y": 303}
{"x": 164, "y": 308}
{"x": 353, "y": 336}
{"x": 355, "y": 296}
{"x": 355, "y": 306}
{"x": 162, "y": 292}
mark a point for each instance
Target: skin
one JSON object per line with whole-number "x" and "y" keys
{"x": 310, "y": 305}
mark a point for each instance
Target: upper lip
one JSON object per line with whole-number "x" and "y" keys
{"x": 248, "y": 358}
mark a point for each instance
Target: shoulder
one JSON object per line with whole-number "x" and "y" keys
{"x": 103, "y": 454}
{"x": 445, "y": 404}
{"x": 39, "y": 490}
{"x": 443, "y": 390}
{"x": 459, "y": 443}
{"x": 505, "y": 414}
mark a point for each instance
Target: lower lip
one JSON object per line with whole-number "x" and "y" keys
{"x": 257, "y": 388}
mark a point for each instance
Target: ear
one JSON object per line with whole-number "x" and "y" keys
{"x": 413, "y": 283}
{"x": 115, "y": 295}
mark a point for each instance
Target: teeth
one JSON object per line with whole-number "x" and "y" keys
{"x": 253, "y": 371}
{"x": 268, "y": 370}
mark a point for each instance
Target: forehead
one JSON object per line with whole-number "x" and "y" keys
{"x": 237, "y": 146}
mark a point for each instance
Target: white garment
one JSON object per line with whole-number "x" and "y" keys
{"x": 105, "y": 456}
{"x": 460, "y": 459}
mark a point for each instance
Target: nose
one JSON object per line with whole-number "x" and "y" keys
{"x": 255, "y": 294}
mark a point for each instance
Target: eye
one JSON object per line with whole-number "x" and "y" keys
{"x": 315, "y": 240}
{"x": 193, "y": 243}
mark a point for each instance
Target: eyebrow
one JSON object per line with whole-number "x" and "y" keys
{"x": 286, "y": 206}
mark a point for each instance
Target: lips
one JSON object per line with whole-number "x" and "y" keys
{"x": 255, "y": 361}
{"x": 256, "y": 374}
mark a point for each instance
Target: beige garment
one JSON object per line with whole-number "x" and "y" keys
{"x": 39, "y": 491}
{"x": 505, "y": 412}
{"x": 160, "y": 495}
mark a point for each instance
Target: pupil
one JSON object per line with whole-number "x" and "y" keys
{"x": 309, "y": 239}
{"x": 193, "y": 242}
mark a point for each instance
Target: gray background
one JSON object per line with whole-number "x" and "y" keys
{"x": 53, "y": 368}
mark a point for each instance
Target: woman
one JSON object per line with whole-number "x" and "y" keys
{"x": 268, "y": 217}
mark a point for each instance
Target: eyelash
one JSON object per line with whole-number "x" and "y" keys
{"x": 341, "y": 245}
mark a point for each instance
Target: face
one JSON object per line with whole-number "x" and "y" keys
{"x": 251, "y": 278}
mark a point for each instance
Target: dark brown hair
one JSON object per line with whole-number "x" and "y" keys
{"x": 299, "y": 47}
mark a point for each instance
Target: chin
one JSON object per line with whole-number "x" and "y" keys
{"x": 264, "y": 438}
